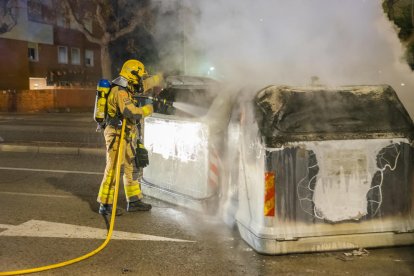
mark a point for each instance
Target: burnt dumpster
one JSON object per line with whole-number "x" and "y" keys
{"x": 184, "y": 144}
{"x": 325, "y": 169}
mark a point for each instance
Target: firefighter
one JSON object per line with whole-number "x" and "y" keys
{"x": 120, "y": 104}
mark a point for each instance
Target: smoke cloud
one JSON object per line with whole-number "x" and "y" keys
{"x": 267, "y": 42}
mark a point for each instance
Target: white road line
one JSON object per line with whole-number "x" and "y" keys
{"x": 43, "y": 195}
{"x": 52, "y": 171}
{"x": 46, "y": 229}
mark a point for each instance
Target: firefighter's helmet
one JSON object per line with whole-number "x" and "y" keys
{"x": 133, "y": 70}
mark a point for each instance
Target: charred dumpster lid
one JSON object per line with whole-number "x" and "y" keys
{"x": 192, "y": 95}
{"x": 289, "y": 114}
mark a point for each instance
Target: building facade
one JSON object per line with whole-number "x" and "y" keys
{"x": 40, "y": 49}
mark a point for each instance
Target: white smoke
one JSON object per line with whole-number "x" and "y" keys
{"x": 265, "y": 42}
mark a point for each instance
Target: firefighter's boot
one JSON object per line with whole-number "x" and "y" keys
{"x": 106, "y": 209}
{"x": 138, "y": 206}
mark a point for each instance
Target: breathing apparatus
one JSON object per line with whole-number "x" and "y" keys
{"x": 102, "y": 92}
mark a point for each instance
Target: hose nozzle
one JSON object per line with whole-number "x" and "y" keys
{"x": 156, "y": 99}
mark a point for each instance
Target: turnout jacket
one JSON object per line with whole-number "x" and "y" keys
{"x": 121, "y": 105}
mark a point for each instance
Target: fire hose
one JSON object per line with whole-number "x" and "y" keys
{"x": 111, "y": 225}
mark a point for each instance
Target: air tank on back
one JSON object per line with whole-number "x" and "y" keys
{"x": 102, "y": 91}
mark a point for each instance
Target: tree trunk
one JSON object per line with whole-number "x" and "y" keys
{"x": 106, "y": 61}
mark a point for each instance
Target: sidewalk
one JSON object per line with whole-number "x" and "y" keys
{"x": 50, "y": 133}
{"x": 50, "y": 149}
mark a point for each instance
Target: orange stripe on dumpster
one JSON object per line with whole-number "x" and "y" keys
{"x": 213, "y": 169}
{"x": 269, "y": 198}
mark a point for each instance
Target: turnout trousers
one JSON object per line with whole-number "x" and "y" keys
{"x": 131, "y": 187}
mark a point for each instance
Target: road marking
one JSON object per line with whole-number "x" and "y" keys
{"x": 53, "y": 171}
{"x": 46, "y": 229}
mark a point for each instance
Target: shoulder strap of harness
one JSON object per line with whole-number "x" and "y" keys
{"x": 117, "y": 119}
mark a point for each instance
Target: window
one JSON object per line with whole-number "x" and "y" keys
{"x": 89, "y": 58}
{"x": 62, "y": 54}
{"x": 34, "y": 10}
{"x": 33, "y": 52}
{"x": 40, "y": 11}
{"x": 62, "y": 20}
{"x": 75, "y": 56}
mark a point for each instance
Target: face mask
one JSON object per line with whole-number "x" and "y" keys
{"x": 139, "y": 88}
{"x": 136, "y": 88}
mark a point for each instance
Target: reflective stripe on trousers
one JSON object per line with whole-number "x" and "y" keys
{"x": 131, "y": 187}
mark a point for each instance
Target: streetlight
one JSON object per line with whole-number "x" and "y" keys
{"x": 210, "y": 70}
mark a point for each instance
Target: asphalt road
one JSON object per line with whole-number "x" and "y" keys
{"x": 49, "y": 214}
{"x": 50, "y": 129}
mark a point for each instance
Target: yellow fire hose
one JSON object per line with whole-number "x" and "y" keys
{"x": 111, "y": 226}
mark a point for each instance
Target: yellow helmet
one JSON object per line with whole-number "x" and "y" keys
{"x": 133, "y": 70}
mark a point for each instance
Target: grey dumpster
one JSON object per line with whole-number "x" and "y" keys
{"x": 325, "y": 169}
{"x": 184, "y": 144}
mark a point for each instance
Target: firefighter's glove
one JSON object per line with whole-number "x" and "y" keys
{"x": 147, "y": 110}
{"x": 141, "y": 156}
{"x": 100, "y": 127}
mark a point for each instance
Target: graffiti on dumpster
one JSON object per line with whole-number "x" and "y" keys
{"x": 182, "y": 141}
{"x": 347, "y": 180}
{"x": 387, "y": 159}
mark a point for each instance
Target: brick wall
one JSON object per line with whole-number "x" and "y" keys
{"x": 48, "y": 100}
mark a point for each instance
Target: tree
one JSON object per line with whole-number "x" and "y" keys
{"x": 7, "y": 17}
{"x": 389, "y": 6}
{"x": 114, "y": 19}
{"x": 138, "y": 44}
{"x": 401, "y": 13}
